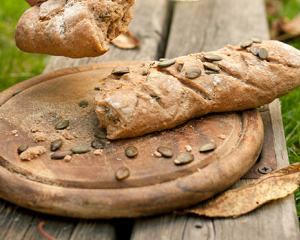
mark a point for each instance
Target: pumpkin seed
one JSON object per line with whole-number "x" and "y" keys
{"x": 246, "y": 43}
{"x": 101, "y": 133}
{"x": 193, "y": 72}
{"x": 80, "y": 149}
{"x": 210, "y": 72}
{"x": 184, "y": 158}
{"x": 105, "y": 16}
{"x": 165, "y": 151}
{"x": 61, "y": 154}
{"x": 254, "y": 50}
{"x": 55, "y": 145}
{"x": 97, "y": 88}
{"x": 263, "y": 53}
{"x": 119, "y": 71}
{"x": 256, "y": 40}
{"x": 16, "y": 92}
{"x": 131, "y": 151}
{"x": 98, "y": 144}
{"x": 122, "y": 173}
{"x": 166, "y": 63}
{"x": 145, "y": 72}
{"x": 62, "y": 125}
{"x": 83, "y": 103}
{"x": 22, "y": 148}
{"x": 155, "y": 97}
{"x": 207, "y": 147}
{"x": 211, "y": 66}
{"x": 109, "y": 115}
{"x": 180, "y": 66}
{"x": 212, "y": 57}
{"x": 41, "y": 1}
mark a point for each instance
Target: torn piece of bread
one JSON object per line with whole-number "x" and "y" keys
{"x": 73, "y": 28}
{"x": 154, "y": 96}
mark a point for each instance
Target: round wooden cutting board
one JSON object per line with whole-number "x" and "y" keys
{"x": 86, "y": 186}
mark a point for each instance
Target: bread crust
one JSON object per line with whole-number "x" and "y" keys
{"x": 136, "y": 103}
{"x": 73, "y": 28}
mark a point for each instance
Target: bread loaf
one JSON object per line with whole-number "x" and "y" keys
{"x": 73, "y": 28}
{"x": 154, "y": 96}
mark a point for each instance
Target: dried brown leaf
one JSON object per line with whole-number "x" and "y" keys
{"x": 126, "y": 41}
{"x": 233, "y": 203}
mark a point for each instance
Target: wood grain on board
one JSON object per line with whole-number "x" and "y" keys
{"x": 87, "y": 186}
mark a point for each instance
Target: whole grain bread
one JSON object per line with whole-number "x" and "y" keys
{"x": 73, "y": 28}
{"x": 136, "y": 100}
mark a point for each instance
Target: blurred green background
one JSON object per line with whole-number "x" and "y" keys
{"x": 17, "y": 66}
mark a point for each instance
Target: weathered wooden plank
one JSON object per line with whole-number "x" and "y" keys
{"x": 12, "y": 219}
{"x": 209, "y": 25}
{"x": 149, "y": 25}
{"x": 94, "y": 229}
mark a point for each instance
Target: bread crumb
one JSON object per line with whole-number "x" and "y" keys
{"x": 157, "y": 154}
{"x": 15, "y": 132}
{"x": 119, "y": 159}
{"x": 222, "y": 136}
{"x": 67, "y": 158}
{"x": 67, "y": 135}
{"x": 39, "y": 136}
{"x": 35, "y": 129}
{"x": 188, "y": 148}
{"x": 98, "y": 152}
{"x": 32, "y": 152}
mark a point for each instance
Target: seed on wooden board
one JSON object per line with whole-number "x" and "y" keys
{"x": 256, "y": 40}
{"x": 211, "y": 66}
{"x": 55, "y": 145}
{"x": 97, "y": 88}
{"x": 165, "y": 151}
{"x": 83, "y": 103}
{"x": 62, "y": 125}
{"x": 109, "y": 115}
{"x": 166, "y": 63}
{"x": 210, "y": 72}
{"x": 212, "y": 57}
{"x": 22, "y": 148}
{"x": 120, "y": 71}
{"x": 101, "y": 133}
{"x": 193, "y": 72}
{"x": 80, "y": 149}
{"x": 263, "y": 53}
{"x": 16, "y": 92}
{"x": 254, "y": 50}
{"x": 207, "y": 147}
{"x": 131, "y": 151}
{"x": 98, "y": 144}
{"x": 180, "y": 66}
{"x": 184, "y": 158}
{"x": 122, "y": 173}
{"x": 246, "y": 43}
{"x": 61, "y": 154}
{"x": 145, "y": 72}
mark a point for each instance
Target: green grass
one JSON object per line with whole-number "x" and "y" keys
{"x": 290, "y": 103}
{"x": 15, "y": 65}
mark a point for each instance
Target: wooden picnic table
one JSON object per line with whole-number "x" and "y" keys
{"x": 169, "y": 29}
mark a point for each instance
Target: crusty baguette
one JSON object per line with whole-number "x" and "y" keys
{"x": 150, "y": 98}
{"x": 73, "y": 28}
